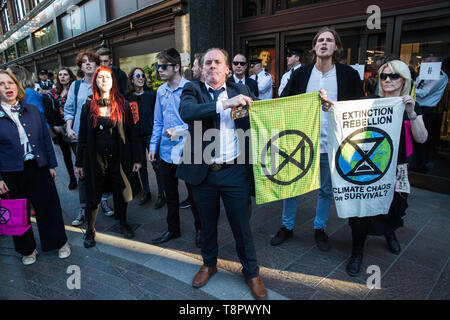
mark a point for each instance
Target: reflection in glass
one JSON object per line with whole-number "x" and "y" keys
{"x": 251, "y": 8}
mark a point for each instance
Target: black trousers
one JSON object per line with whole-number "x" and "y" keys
{"x": 231, "y": 185}
{"x": 144, "y": 142}
{"x": 107, "y": 177}
{"x": 382, "y": 224}
{"x": 36, "y": 185}
{"x": 67, "y": 154}
{"x": 81, "y": 182}
{"x": 423, "y": 152}
{"x": 173, "y": 198}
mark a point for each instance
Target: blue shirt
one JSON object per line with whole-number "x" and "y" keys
{"x": 69, "y": 108}
{"x": 167, "y": 116}
{"x": 430, "y": 92}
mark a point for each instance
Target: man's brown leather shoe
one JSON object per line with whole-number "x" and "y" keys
{"x": 258, "y": 288}
{"x": 203, "y": 275}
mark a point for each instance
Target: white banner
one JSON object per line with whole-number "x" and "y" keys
{"x": 363, "y": 138}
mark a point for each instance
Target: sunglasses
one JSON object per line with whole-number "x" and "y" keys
{"x": 140, "y": 75}
{"x": 236, "y": 63}
{"x": 392, "y": 76}
{"x": 164, "y": 66}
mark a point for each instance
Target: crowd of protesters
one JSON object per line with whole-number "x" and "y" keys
{"x": 113, "y": 124}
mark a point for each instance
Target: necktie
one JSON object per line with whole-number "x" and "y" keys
{"x": 16, "y": 108}
{"x": 216, "y": 93}
{"x": 292, "y": 72}
{"x": 256, "y": 78}
{"x": 240, "y": 81}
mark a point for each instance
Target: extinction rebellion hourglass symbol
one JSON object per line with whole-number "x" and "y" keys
{"x": 5, "y": 215}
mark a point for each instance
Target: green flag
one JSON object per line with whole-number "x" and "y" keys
{"x": 285, "y": 146}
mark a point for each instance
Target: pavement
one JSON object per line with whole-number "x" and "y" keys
{"x": 122, "y": 269}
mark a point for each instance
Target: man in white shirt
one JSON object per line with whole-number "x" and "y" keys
{"x": 293, "y": 63}
{"x": 219, "y": 174}
{"x": 263, "y": 78}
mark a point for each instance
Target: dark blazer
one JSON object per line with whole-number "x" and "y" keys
{"x": 348, "y": 82}
{"x": 129, "y": 152}
{"x": 11, "y": 151}
{"x": 196, "y": 105}
{"x": 252, "y": 84}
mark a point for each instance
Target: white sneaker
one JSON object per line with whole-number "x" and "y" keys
{"x": 80, "y": 218}
{"x": 106, "y": 209}
{"x": 27, "y": 260}
{"x": 65, "y": 251}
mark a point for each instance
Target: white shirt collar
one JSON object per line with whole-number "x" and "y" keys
{"x": 236, "y": 79}
{"x": 8, "y": 106}
{"x": 222, "y": 86}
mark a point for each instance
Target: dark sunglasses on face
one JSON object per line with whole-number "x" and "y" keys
{"x": 242, "y": 63}
{"x": 164, "y": 66}
{"x": 392, "y": 76}
{"x": 140, "y": 75}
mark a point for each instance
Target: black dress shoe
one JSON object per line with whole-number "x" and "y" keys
{"x": 392, "y": 242}
{"x": 282, "y": 235}
{"x": 160, "y": 202}
{"x": 322, "y": 240}
{"x": 126, "y": 230}
{"x": 89, "y": 239}
{"x": 166, "y": 236}
{"x": 145, "y": 198}
{"x": 73, "y": 183}
{"x": 198, "y": 239}
{"x": 354, "y": 265}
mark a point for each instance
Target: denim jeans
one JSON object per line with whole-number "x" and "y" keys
{"x": 323, "y": 201}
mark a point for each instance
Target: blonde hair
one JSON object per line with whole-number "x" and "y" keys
{"x": 20, "y": 91}
{"x": 400, "y": 68}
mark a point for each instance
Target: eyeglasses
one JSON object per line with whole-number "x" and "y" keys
{"x": 242, "y": 63}
{"x": 164, "y": 66}
{"x": 392, "y": 76}
{"x": 140, "y": 75}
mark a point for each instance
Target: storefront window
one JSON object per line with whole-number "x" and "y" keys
{"x": 264, "y": 50}
{"x": 11, "y": 53}
{"x": 288, "y": 4}
{"x": 252, "y": 8}
{"x": 44, "y": 37}
{"x": 417, "y": 43}
{"x": 146, "y": 62}
{"x": 24, "y": 47}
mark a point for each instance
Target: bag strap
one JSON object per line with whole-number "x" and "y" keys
{"x": 77, "y": 88}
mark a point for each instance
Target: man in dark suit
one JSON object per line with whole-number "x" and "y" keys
{"x": 239, "y": 65}
{"x": 206, "y": 106}
{"x": 337, "y": 82}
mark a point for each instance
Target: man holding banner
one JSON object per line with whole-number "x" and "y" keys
{"x": 340, "y": 82}
{"x": 208, "y": 108}
{"x": 368, "y": 149}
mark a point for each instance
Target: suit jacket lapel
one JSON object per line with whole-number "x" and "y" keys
{"x": 340, "y": 81}
{"x": 205, "y": 93}
{"x": 305, "y": 80}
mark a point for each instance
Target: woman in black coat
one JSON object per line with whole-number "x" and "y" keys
{"x": 107, "y": 152}
{"x": 142, "y": 100}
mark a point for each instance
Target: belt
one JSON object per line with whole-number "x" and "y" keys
{"x": 220, "y": 166}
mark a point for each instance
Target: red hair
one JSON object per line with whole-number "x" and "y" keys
{"x": 116, "y": 99}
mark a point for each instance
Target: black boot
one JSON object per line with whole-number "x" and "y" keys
{"x": 73, "y": 183}
{"x": 89, "y": 238}
{"x": 354, "y": 265}
{"x": 160, "y": 202}
{"x": 145, "y": 198}
{"x": 392, "y": 242}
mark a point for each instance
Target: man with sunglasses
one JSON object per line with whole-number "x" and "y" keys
{"x": 262, "y": 78}
{"x": 293, "y": 63}
{"x": 239, "y": 66}
{"x": 168, "y": 139}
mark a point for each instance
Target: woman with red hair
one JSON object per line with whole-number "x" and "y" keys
{"x": 108, "y": 151}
